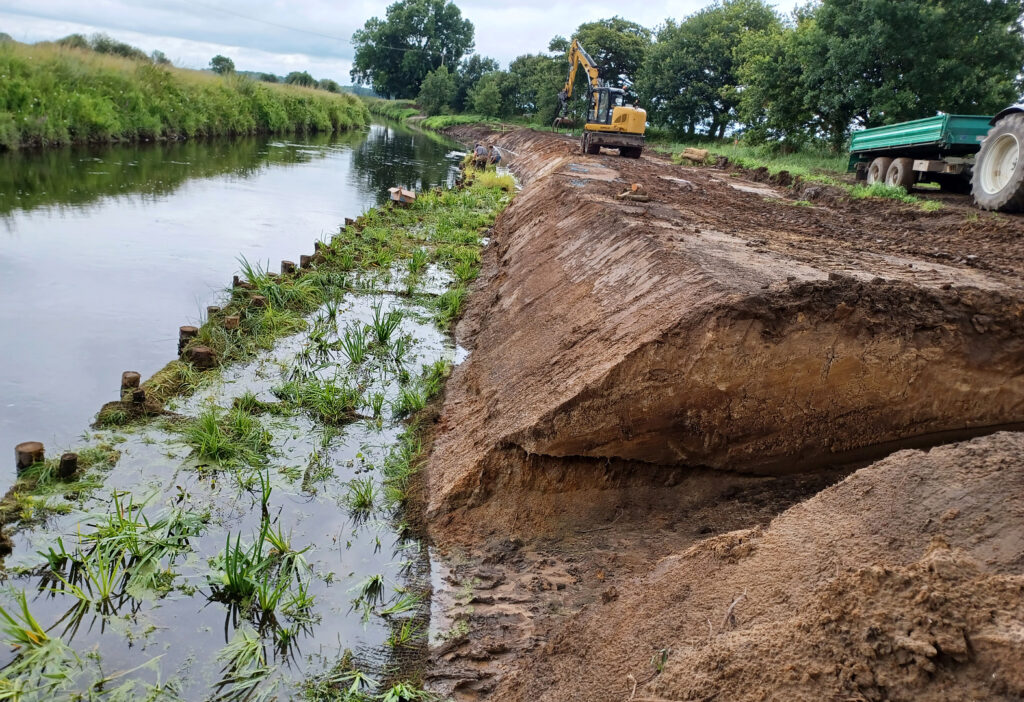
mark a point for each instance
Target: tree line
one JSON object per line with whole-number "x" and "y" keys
{"x": 736, "y": 66}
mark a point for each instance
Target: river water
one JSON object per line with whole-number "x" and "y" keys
{"x": 106, "y": 252}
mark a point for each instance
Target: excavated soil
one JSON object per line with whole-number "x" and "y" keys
{"x": 647, "y": 378}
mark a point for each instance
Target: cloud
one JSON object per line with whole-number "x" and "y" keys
{"x": 279, "y": 36}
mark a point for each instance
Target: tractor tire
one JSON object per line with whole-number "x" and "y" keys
{"x": 877, "y": 170}
{"x": 901, "y": 173}
{"x": 998, "y": 182}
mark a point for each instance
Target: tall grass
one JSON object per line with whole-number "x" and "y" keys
{"x": 56, "y": 95}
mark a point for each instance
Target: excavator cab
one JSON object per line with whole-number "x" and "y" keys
{"x": 606, "y": 99}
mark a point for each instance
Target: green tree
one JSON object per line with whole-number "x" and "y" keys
{"x": 159, "y": 58}
{"x": 845, "y": 64}
{"x": 329, "y": 85}
{"x": 532, "y": 84}
{"x": 268, "y": 78}
{"x": 222, "y": 64}
{"x": 470, "y": 71}
{"x": 395, "y": 54}
{"x": 300, "y": 78}
{"x": 103, "y": 44}
{"x": 688, "y": 79}
{"x": 485, "y": 96}
{"x": 437, "y": 91}
{"x": 618, "y": 47}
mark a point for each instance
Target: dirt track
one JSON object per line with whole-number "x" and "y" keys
{"x": 635, "y": 366}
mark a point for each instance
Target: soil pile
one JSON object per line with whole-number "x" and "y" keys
{"x": 903, "y": 582}
{"x": 717, "y": 325}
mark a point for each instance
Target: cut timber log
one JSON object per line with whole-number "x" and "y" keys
{"x": 231, "y": 321}
{"x": 202, "y": 357}
{"x": 185, "y": 335}
{"x": 28, "y": 453}
{"x": 68, "y": 466}
{"x": 287, "y": 267}
{"x": 305, "y": 261}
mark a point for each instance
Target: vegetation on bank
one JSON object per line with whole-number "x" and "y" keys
{"x": 407, "y": 264}
{"x": 50, "y": 94}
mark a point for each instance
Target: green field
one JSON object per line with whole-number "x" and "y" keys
{"x": 51, "y": 95}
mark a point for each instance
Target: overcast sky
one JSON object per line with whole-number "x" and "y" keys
{"x": 278, "y": 36}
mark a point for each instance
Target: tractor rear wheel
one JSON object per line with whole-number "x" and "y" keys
{"x": 998, "y": 182}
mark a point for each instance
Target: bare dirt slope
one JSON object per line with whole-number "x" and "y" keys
{"x": 903, "y": 582}
{"x": 718, "y": 325}
{"x": 650, "y": 385}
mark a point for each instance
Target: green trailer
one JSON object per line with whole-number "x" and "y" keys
{"x": 962, "y": 153}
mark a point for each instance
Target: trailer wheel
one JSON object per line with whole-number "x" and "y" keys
{"x": 877, "y": 170}
{"x": 901, "y": 173}
{"x": 998, "y": 182}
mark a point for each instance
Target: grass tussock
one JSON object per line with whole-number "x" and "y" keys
{"x": 56, "y": 95}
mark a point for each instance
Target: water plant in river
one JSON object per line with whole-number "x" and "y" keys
{"x": 334, "y": 401}
{"x": 361, "y": 495}
{"x": 384, "y": 324}
{"x": 228, "y": 438}
{"x": 353, "y": 343}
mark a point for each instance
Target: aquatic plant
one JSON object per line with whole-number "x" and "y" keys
{"x": 418, "y": 260}
{"x": 361, "y": 495}
{"x": 384, "y": 324}
{"x": 229, "y": 438}
{"x": 448, "y": 306}
{"x": 333, "y": 401}
{"x": 353, "y": 344}
{"x": 411, "y": 399}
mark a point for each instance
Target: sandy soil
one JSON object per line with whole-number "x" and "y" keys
{"x": 648, "y": 378}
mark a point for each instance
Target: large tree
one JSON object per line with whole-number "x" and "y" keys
{"x": 395, "y": 54}
{"x": 618, "y": 47}
{"x": 870, "y": 62}
{"x": 437, "y": 91}
{"x": 471, "y": 70}
{"x": 688, "y": 80}
{"x": 222, "y": 64}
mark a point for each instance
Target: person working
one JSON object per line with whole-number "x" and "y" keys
{"x": 480, "y": 155}
{"x": 495, "y": 156}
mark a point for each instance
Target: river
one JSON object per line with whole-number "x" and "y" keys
{"x": 107, "y": 251}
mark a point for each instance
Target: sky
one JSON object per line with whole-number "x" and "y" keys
{"x": 278, "y": 36}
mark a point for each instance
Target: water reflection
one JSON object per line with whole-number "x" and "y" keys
{"x": 108, "y": 251}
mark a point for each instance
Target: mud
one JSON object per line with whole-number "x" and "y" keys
{"x": 650, "y": 384}
{"x": 716, "y": 327}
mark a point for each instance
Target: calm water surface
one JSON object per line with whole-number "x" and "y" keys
{"x": 105, "y": 253}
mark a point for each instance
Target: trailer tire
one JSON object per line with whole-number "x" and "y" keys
{"x": 877, "y": 170}
{"x": 901, "y": 174}
{"x": 998, "y": 182}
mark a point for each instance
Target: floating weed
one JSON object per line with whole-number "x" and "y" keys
{"x": 20, "y": 627}
{"x": 406, "y": 692}
{"x": 245, "y": 669}
{"x": 405, "y": 602}
{"x": 370, "y": 592}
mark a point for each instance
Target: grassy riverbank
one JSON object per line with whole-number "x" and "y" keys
{"x": 51, "y": 95}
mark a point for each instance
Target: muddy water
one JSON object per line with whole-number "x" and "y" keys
{"x": 105, "y": 253}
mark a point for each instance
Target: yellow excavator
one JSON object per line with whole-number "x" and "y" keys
{"x": 610, "y": 121}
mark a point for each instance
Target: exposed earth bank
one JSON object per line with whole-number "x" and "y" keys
{"x": 647, "y": 378}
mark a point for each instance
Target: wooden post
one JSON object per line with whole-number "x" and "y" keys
{"x": 318, "y": 246}
{"x": 202, "y": 357}
{"x": 258, "y": 301}
{"x": 185, "y": 335}
{"x": 237, "y": 282}
{"x": 68, "y": 466}
{"x": 305, "y": 261}
{"x": 287, "y": 267}
{"x": 129, "y": 382}
{"x": 232, "y": 321}
{"x": 28, "y": 453}
{"x": 212, "y": 311}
